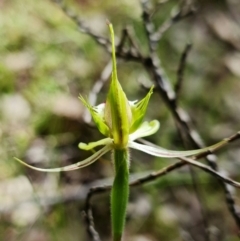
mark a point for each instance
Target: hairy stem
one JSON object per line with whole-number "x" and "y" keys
{"x": 120, "y": 192}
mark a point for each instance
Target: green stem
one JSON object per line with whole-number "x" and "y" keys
{"x": 120, "y": 192}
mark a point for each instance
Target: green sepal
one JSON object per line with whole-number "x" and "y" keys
{"x": 139, "y": 110}
{"x": 118, "y": 114}
{"x": 97, "y": 113}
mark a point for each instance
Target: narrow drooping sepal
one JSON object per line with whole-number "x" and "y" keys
{"x": 118, "y": 114}
{"x": 139, "y": 110}
{"x": 162, "y": 152}
{"x": 74, "y": 166}
{"x": 97, "y": 113}
{"x": 120, "y": 192}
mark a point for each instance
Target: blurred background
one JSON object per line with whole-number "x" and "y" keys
{"x": 45, "y": 63}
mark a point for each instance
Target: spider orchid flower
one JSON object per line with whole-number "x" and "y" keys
{"x": 121, "y": 122}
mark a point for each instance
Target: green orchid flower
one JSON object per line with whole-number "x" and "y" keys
{"x": 121, "y": 122}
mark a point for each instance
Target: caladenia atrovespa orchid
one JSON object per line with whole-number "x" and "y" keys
{"x": 121, "y": 121}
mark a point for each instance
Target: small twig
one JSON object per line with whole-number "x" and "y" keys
{"x": 90, "y": 225}
{"x": 180, "y": 71}
{"x": 88, "y": 211}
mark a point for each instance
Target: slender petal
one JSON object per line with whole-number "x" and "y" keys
{"x": 146, "y": 129}
{"x": 161, "y": 152}
{"x": 72, "y": 167}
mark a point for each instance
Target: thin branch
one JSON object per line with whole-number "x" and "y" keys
{"x": 88, "y": 211}
{"x": 181, "y": 69}
{"x": 90, "y": 225}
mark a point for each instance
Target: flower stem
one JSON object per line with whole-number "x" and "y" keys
{"x": 120, "y": 192}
